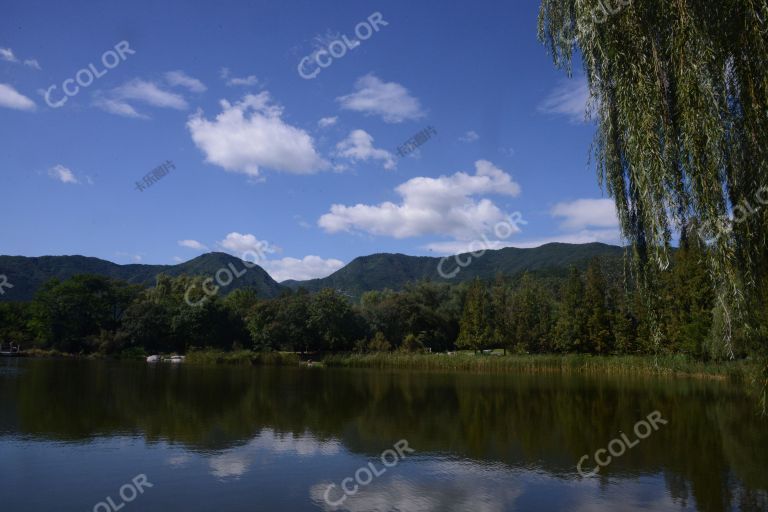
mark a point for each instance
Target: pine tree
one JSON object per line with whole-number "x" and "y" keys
{"x": 571, "y": 328}
{"x": 599, "y": 337}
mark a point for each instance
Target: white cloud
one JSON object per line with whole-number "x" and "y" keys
{"x": 251, "y": 134}
{"x": 359, "y": 146}
{"x": 582, "y": 213}
{"x": 235, "y": 462}
{"x": 63, "y": 174}
{"x": 150, "y": 93}
{"x": 431, "y": 206}
{"x": 249, "y": 80}
{"x": 473, "y": 486}
{"x": 193, "y": 244}
{"x": 179, "y": 78}
{"x": 309, "y": 267}
{"x": 32, "y": 63}
{"x": 389, "y": 100}
{"x": 327, "y": 121}
{"x": 585, "y": 236}
{"x": 470, "y": 136}
{"x": 7, "y": 55}
{"x": 570, "y": 99}
{"x": 117, "y": 107}
{"x": 11, "y": 98}
{"x": 239, "y": 244}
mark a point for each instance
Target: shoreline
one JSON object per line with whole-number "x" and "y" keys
{"x": 466, "y": 362}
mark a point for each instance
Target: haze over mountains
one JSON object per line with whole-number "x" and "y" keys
{"x": 365, "y": 273}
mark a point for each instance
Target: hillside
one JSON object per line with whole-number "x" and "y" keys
{"x": 27, "y": 274}
{"x": 374, "y": 272}
{"x": 379, "y": 271}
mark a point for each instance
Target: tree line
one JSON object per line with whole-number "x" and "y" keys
{"x": 593, "y": 311}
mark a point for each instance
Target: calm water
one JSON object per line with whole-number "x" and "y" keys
{"x": 73, "y": 433}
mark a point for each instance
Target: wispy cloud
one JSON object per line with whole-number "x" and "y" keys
{"x": 6, "y": 54}
{"x": 32, "y": 63}
{"x": 570, "y": 99}
{"x": 11, "y": 98}
{"x": 193, "y": 244}
{"x": 470, "y": 136}
{"x": 388, "y": 100}
{"x": 62, "y": 174}
{"x": 234, "y": 81}
{"x": 117, "y": 107}
{"x": 151, "y": 94}
{"x": 179, "y": 78}
{"x": 327, "y": 121}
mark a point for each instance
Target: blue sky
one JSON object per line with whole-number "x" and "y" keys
{"x": 304, "y": 170}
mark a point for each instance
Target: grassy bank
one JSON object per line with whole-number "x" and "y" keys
{"x": 581, "y": 364}
{"x": 242, "y": 357}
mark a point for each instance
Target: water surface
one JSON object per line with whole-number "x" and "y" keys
{"x": 72, "y": 433}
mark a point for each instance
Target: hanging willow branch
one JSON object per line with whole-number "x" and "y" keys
{"x": 679, "y": 89}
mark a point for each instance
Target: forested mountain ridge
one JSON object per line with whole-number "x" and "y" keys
{"x": 27, "y": 274}
{"x": 365, "y": 273}
{"x": 393, "y": 271}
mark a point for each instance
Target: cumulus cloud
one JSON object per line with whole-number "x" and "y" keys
{"x": 179, "y": 78}
{"x": 327, "y": 121}
{"x": 149, "y": 93}
{"x": 570, "y": 99}
{"x": 583, "y": 213}
{"x": 193, "y": 244}
{"x": 63, "y": 174}
{"x": 389, "y": 100}
{"x": 11, "y": 98}
{"x": 251, "y": 134}
{"x": 470, "y": 136}
{"x": 309, "y": 267}
{"x": 445, "y": 206}
{"x": 358, "y": 146}
{"x": 239, "y": 244}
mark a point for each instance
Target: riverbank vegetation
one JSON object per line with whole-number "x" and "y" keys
{"x": 592, "y": 312}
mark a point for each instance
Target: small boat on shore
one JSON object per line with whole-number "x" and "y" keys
{"x": 10, "y": 350}
{"x": 171, "y": 359}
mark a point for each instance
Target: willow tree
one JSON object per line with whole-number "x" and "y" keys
{"x": 679, "y": 91}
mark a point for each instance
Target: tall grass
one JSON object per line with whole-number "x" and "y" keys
{"x": 242, "y": 357}
{"x": 575, "y": 364}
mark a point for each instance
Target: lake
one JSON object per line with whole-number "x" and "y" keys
{"x": 104, "y": 435}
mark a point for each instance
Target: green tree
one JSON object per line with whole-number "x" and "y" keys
{"x": 599, "y": 338}
{"x": 531, "y": 317}
{"x": 679, "y": 91}
{"x": 475, "y": 330}
{"x": 571, "y": 329}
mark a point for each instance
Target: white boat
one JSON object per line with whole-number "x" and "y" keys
{"x": 176, "y": 359}
{"x": 153, "y": 359}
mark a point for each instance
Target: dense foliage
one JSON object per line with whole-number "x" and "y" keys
{"x": 680, "y": 94}
{"x": 584, "y": 311}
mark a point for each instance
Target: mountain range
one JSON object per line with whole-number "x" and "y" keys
{"x": 365, "y": 273}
